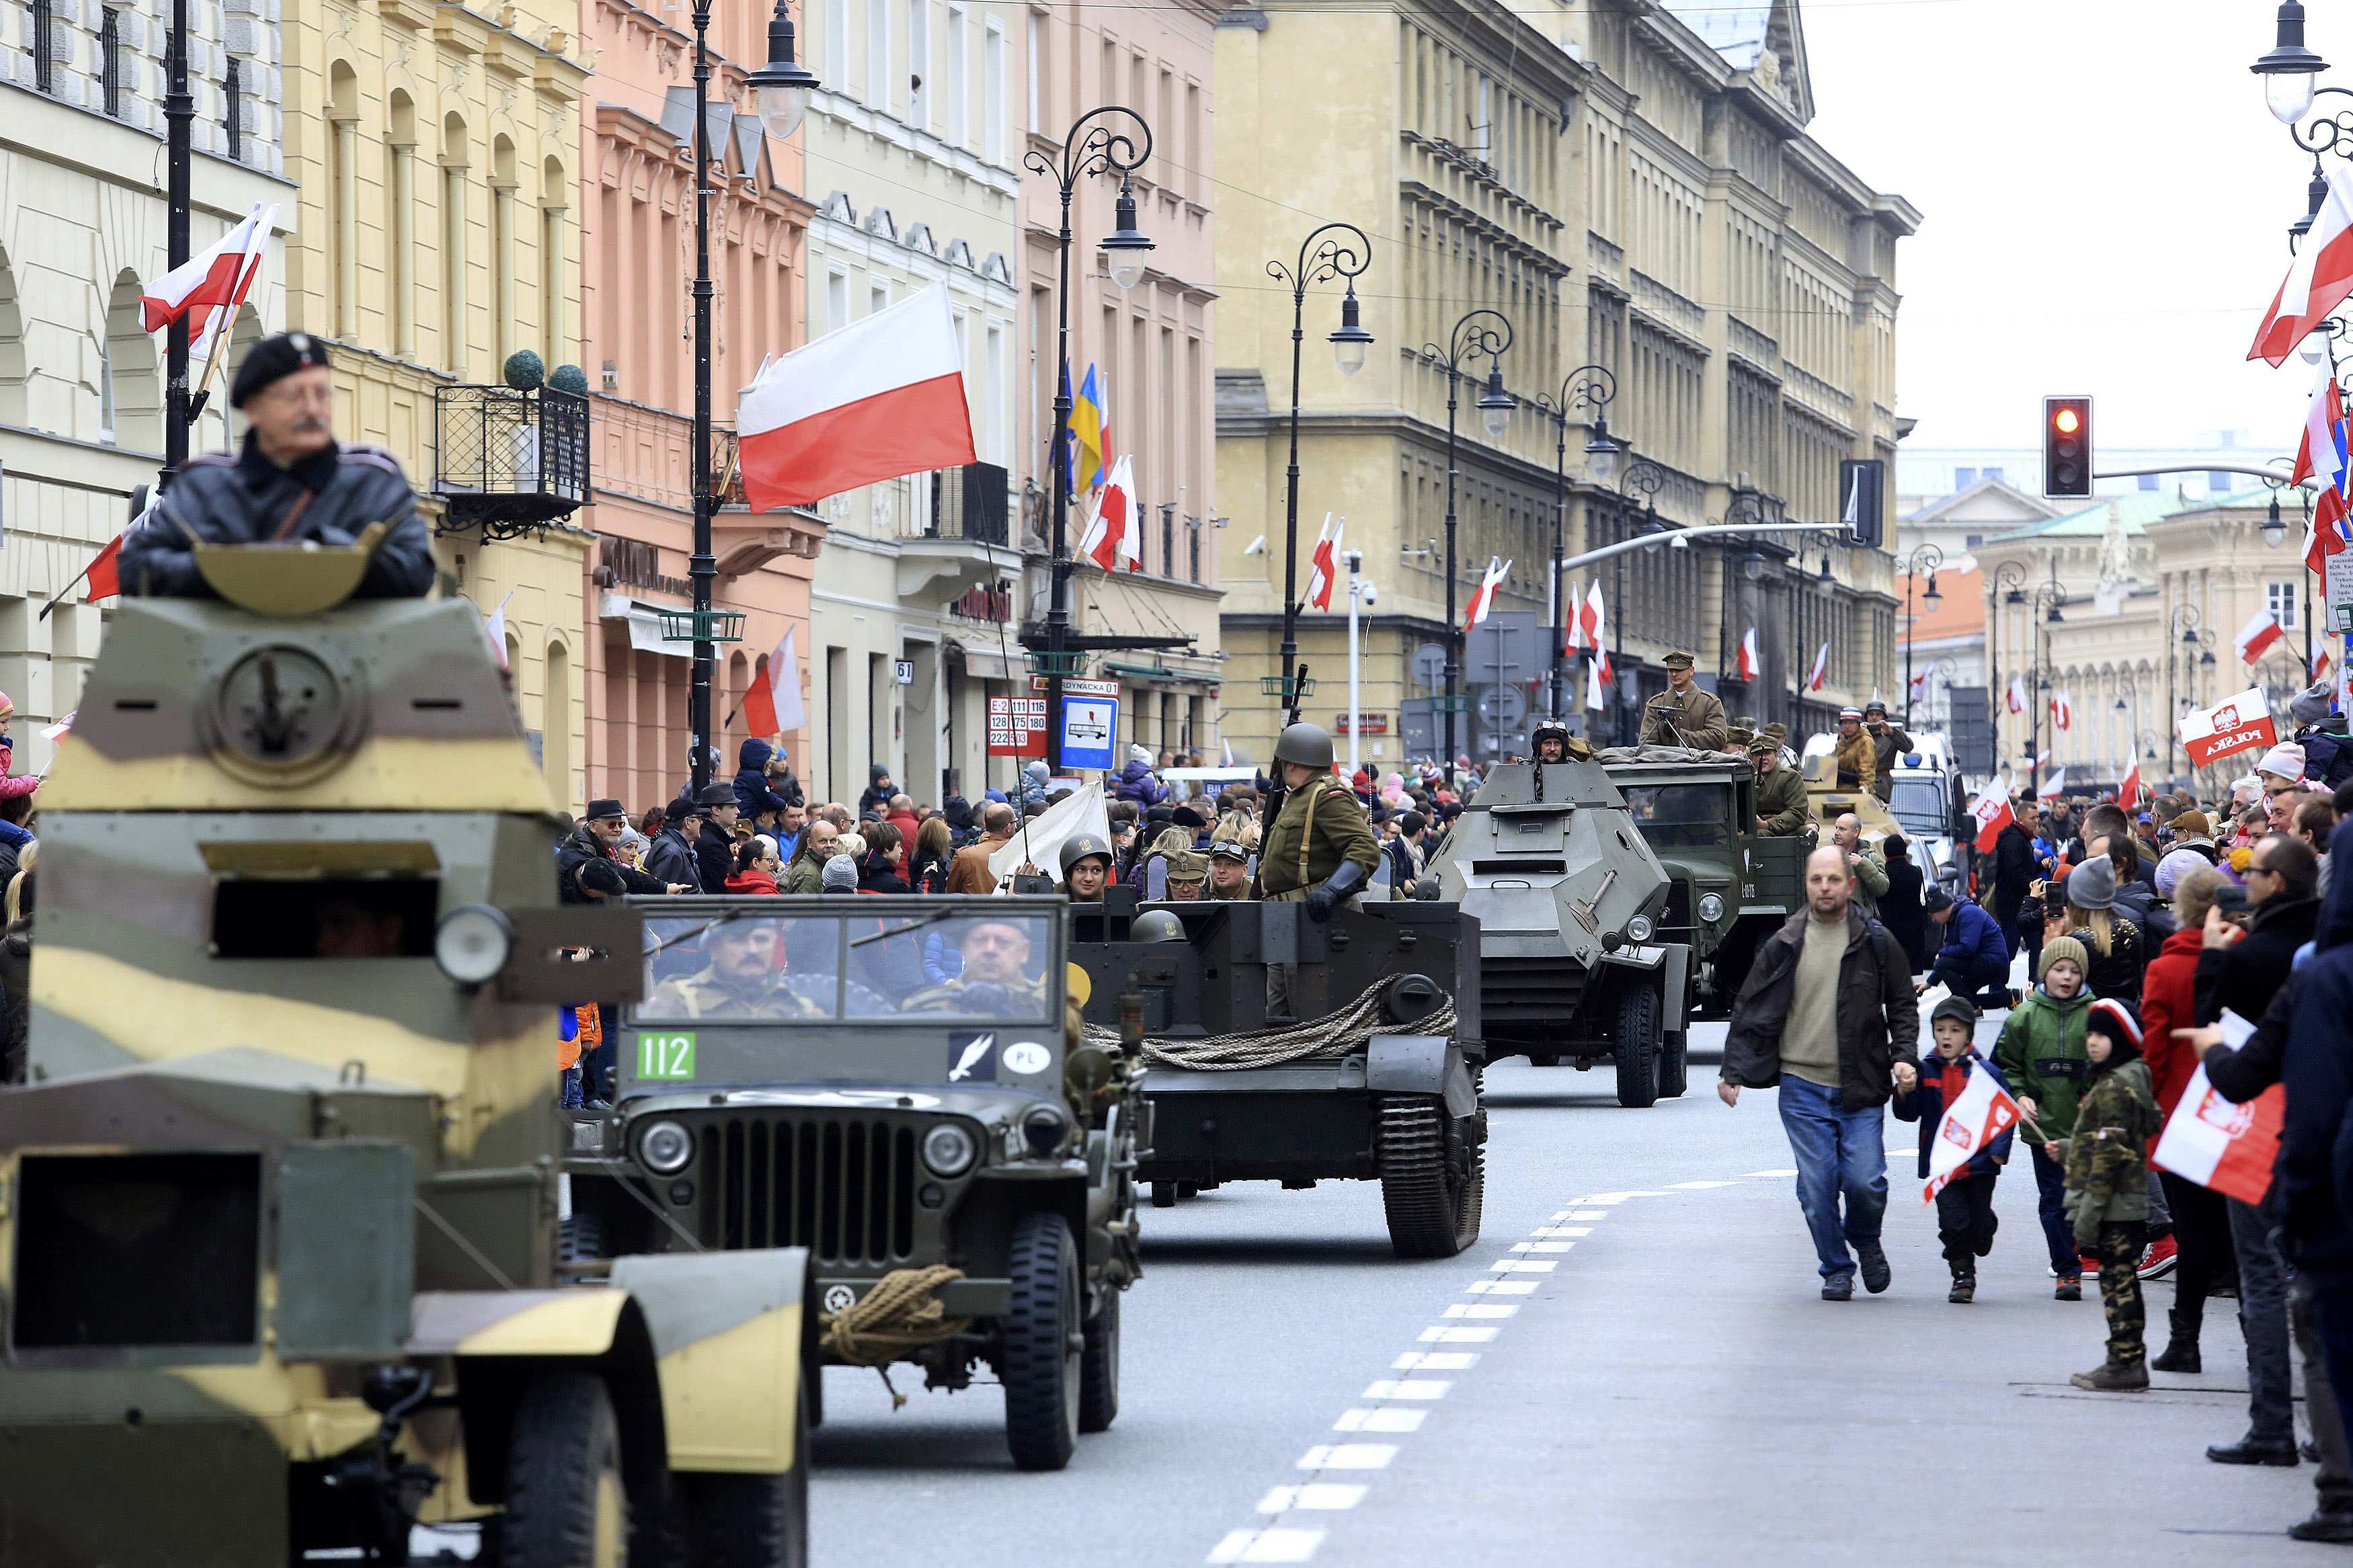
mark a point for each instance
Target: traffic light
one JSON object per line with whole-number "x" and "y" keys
{"x": 2067, "y": 448}
{"x": 1862, "y": 483}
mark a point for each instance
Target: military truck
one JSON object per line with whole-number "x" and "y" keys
{"x": 888, "y": 1084}
{"x": 1568, "y": 898}
{"x": 1374, "y": 1076}
{"x": 278, "y": 1211}
{"x": 1731, "y": 887}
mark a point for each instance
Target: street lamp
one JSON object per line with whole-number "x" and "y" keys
{"x": 1646, "y": 479}
{"x": 1925, "y": 558}
{"x": 2182, "y": 625}
{"x": 2005, "y": 585}
{"x": 1335, "y": 250}
{"x": 1472, "y": 338}
{"x": 2046, "y": 602}
{"x": 2289, "y": 68}
{"x": 1096, "y": 143}
{"x": 781, "y": 90}
{"x": 1587, "y": 386}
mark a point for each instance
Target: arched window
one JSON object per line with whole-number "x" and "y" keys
{"x": 12, "y": 396}
{"x": 343, "y": 200}
{"x": 454, "y": 158}
{"x": 400, "y": 221}
{"x": 555, "y": 723}
{"x": 503, "y": 245}
{"x": 554, "y": 199}
{"x": 130, "y": 380}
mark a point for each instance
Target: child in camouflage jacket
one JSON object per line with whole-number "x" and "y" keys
{"x": 2107, "y": 1183}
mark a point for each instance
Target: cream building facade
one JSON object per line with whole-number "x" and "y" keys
{"x": 438, "y": 152}
{"x": 1631, "y": 186}
{"x": 82, "y": 222}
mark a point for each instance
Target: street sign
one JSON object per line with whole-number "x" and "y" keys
{"x": 1090, "y": 731}
{"x": 1367, "y": 724}
{"x": 905, "y": 668}
{"x": 1502, "y": 707}
{"x": 1074, "y": 687}
{"x": 1017, "y": 726}
{"x": 1430, "y": 666}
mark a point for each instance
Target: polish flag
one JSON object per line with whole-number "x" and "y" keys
{"x": 104, "y": 578}
{"x": 2318, "y": 280}
{"x": 2258, "y": 635}
{"x": 494, "y": 627}
{"x": 2321, "y": 451}
{"x": 1750, "y": 665}
{"x": 1112, "y": 534}
{"x": 2016, "y": 696}
{"x": 2329, "y": 530}
{"x": 2129, "y": 793}
{"x": 2238, "y": 723}
{"x": 1573, "y": 610}
{"x": 1919, "y": 687}
{"x": 1483, "y": 600}
{"x": 1982, "y": 1112}
{"x": 2054, "y": 786}
{"x": 1594, "y": 620}
{"x": 874, "y": 400}
{"x": 2226, "y": 1148}
{"x": 1821, "y": 668}
{"x": 2062, "y": 711}
{"x": 207, "y": 289}
{"x": 1324, "y": 565}
{"x": 773, "y": 704}
{"x": 1992, "y": 812}
{"x": 2320, "y": 661}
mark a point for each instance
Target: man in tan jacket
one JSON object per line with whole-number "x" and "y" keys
{"x": 968, "y": 872}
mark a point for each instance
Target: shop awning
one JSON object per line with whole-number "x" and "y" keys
{"x": 983, "y": 661}
{"x": 644, "y": 625}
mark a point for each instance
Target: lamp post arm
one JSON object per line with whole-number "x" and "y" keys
{"x": 1649, "y": 539}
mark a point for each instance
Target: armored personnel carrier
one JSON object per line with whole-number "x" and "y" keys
{"x": 1569, "y": 896}
{"x": 1373, "y": 1076}
{"x": 888, "y": 1084}
{"x": 1731, "y": 887}
{"x": 277, "y": 1212}
{"x": 1827, "y": 800}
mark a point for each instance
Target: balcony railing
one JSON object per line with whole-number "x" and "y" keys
{"x": 509, "y": 459}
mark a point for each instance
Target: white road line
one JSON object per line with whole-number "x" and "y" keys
{"x": 1347, "y": 1456}
{"x": 1268, "y": 1545}
{"x": 1408, "y": 1388}
{"x": 1753, "y": 1175}
{"x": 1435, "y": 1360}
{"x": 1521, "y": 1266}
{"x": 1562, "y": 1230}
{"x": 1315, "y": 1496}
{"x": 1542, "y": 1246}
{"x": 1593, "y": 1213}
{"x": 1696, "y": 1186}
{"x": 1380, "y": 1418}
{"x": 1440, "y": 1334}
{"x": 1468, "y": 1310}
{"x": 1501, "y": 1288}
{"x": 1606, "y": 1198}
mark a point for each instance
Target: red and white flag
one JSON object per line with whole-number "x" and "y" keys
{"x": 1992, "y": 810}
{"x": 1112, "y": 534}
{"x": 1919, "y": 687}
{"x": 2318, "y": 280}
{"x": 2226, "y": 1148}
{"x": 104, "y": 578}
{"x": 208, "y": 288}
{"x": 494, "y": 629}
{"x": 2239, "y": 723}
{"x": 2320, "y": 451}
{"x": 2054, "y": 786}
{"x": 773, "y": 704}
{"x": 1750, "y": 665}
{"x": 2015, "y": 698}
{"x": 2129, "y": 793}
{"x": 61, "y": 729}
{"x": 2320, "y": 661}
{"x": 1322, "y": 567}
{"x": 871, "y": 401}
{"x": 1979, "y": 1115}
{"x": 1483, "y": 600}
{"x": 1573, "y": 610}
{"x": 2062, "y": 711}
{"x": 2257, "y": 636}
{"x": 1821, "y": 669}
{"x": 1594, "y": 621}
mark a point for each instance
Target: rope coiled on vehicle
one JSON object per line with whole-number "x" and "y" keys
{"x": 901, "y": 1313}
{"x": 1329, "y": 1038}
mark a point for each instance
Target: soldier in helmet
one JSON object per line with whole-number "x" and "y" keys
{"x": 739, "y": 979}
{"x": 1320, "y": 850}
{"x": 1086, "y": 866}
{"x": 1683, "y": 715}
{"x": 1857, "y": 755}
{"x": 291, "y": 485}
{"x": 1156, "y": 925}
{"x": 1780, "y": 793}
{"x": 1552, "y": 742}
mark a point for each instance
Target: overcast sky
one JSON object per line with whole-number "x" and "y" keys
{"x": 2105, "y": 203}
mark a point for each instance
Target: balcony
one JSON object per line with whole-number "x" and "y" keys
{"x": 954, "y": 532}
{"x": 509, "y": 461}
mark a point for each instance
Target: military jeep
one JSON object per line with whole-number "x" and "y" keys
{"x": 888, "y": 1084}
{"x": 1730, "y": 887}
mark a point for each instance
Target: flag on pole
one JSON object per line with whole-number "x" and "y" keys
{"x": 61, "y": 729}
{"x": 1992, "y": 812}
{"x": 2237, "y": 723}
{"x": 1090, "y": 434}
{"x": 773, "y": 704}
{"x": 2016, "y": 696}
{"x": 1980, "y": 1116}
{"x": 2055, "y": 785}
{"x": 874, "y": 400}
{"x": 1821, "y": 668}
{"x": 1750, "y": 665}
{"x": 494, "y": 627}
{"x": 2129, "y": 793}
{"x": 2329, "y": 530}
{"x": 2062, "y": 711}
{"x": 2226, "y": 1148}
{"x": 2320, "y": 451}
{"x": 1322, "y": 567}
{"x": 1595, "y": 620}
{"x": 2258, "y": 635}
{"x": 1572, "y": 605}
{"x": 1112, "y": 534}
{"x": 2318, "y": 280}
{"x": 207, "y": 289}
{"x": 1483, "y": 600}
{"x": 1919, "y": 689}
{"x": 105, "y": 574}
{"x": 2320, "y": 661}
{"x": 1596, "y": 672}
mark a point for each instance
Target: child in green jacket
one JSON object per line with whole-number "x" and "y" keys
{"x": 2040, "y": 1055}
{"x": 2107, "y": 1184}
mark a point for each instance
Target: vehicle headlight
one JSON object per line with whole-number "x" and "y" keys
{"x": 949, "y": 1150}
{"x": 1711, "y": 908}
{"x": 588, "y": 1136}
{"x": 1043, "y": 1130}
{"x": 1639, "y": 929}
{"x": 471, "y": 944}
{"x": 665, "y": 1148}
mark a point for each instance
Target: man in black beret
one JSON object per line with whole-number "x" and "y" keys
{"x": 292, "y": 484}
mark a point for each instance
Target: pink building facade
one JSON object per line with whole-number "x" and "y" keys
{"x": 638, "y": 265}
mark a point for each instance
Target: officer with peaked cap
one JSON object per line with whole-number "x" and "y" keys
{"x": 292, "y": 484}
{"x": 1857, "y": 755}
{"x": 1683, "y": 715}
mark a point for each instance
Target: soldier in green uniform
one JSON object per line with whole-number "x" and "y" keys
{"x": 1857, "y": 757}
{"x": 1887, "y": 743}
{"x": 1320, "y": 848}
{"x": 739, "y": 979}
{"x": 1683, "y": 715}
{"x": 1780, "y": 793}
{"x": 995, "y": 982}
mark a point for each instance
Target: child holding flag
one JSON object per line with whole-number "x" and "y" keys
{"x": 2040, "y": 1052}
{"x": 1965, "y": 1217}
{"x": 2107, "y": 1184}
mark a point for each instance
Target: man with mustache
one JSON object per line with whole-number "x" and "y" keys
{"x": 292, "y": 484}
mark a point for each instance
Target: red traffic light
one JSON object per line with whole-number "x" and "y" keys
{"x": 2067, "y": 448}
{"x": 2068, "y": 422}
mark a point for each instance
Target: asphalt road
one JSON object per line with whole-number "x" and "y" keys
{"x": 1631, "y": 1366}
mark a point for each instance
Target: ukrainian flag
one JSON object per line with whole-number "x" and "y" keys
{"x": 1090, "y": 435}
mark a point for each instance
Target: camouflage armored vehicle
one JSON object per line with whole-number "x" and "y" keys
{"x": 278, "y": 1211}
{"x": 1731, "y": 887}
{"x": 888, "y": 1084}
{"x": 1376, "y": 1077}
{"x": 1568, "y": 898}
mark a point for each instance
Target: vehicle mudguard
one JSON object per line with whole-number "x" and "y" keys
{"x": 1421, "y": 1064}
{"x": 726, "y": 1330}
{"x": 1676, "y": 1007}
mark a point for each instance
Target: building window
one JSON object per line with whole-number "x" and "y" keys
{"x": 919, "y": 62}
{"x": 232, "y": 106}
{"x": 837, "y": 46}
{"x": 2148, "y": 481}
{"x": 958, "y": 66}
{"x": 1192, "y": 551}
{"x": 1964, "y": 478}
{"x": 878, "y": 55}
{"x": 110, "y": 62}
{"x": 1168, "y": 540}
{"x": 105, "y": 392}
{"x": 44, "y": 24}
{"x": 1994, "y": 474}
{"x": 992, "y": 94}
{"x": 836, "y": 301}
{"x": 2217, "y": 484}
{"x": 1038, "y": 52}
{"x": 1973, "y": 542}
{"x": 878, "y": 298}
{"x": 2281, "y": 597}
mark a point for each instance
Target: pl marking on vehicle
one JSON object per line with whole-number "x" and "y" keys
{"x": 1026, "y": 1056}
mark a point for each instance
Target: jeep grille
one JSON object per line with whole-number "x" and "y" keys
{"x": 844, "y": 1187}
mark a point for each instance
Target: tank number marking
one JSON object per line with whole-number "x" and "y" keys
{"x": 666, "y": 1056}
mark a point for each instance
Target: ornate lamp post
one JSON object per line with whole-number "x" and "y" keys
{"x": 2182, "y": 627}
{"x": 2004, "y": 587}
{"x": 1927, "y": 558}
{"x": 1100, "y": 141}
{"x": 1645, "y": 479}
{"x": 1587, "y": 386}
{"x": 1478, "y": 335}
{"x": 2046, "y": 602}
{"x": 1335, "y": 250}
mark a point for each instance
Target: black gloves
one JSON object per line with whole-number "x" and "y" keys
{"x": 1323, "y": 896}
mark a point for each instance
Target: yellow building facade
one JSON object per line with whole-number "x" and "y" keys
{"x": 437, "y": 150}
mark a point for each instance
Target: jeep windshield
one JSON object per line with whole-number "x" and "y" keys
{"x": 1919, "y": 805}
{"x": 792, "y": 967}
{"x": 1679, "y": 815}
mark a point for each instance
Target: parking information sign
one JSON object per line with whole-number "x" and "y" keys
{"x": 1090, "y": 730}
{"x": 1017, "y": 726}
